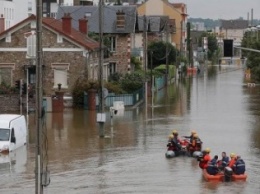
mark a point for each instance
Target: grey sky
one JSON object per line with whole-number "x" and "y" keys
{"x": 222, "y": 9}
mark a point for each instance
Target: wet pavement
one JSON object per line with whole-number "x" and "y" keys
{"x": 217, "y": 104}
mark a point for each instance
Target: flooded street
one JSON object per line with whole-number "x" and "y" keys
{"x": 218, "y": 105}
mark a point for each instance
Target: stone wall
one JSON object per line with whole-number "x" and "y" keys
{"x": 9, "y": 103}
{"x": 122, "y": 54}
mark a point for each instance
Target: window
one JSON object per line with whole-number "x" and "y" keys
{"x": 31, "y": 44}
{"x": 8, "y": 37}
{"x": 6, "y": 73}
{"x": 44, "y": 7}
{"x": 88, "y": 14}
{"x": 60, "y": 72}
{"x": 112, "y": 68}
{"x": 29, "y": 6}
{"x": 59, "y": 39}
{"x": 32, "y": 75}
{"x": 4, "y": 134}
{"x": 112, "y": 43}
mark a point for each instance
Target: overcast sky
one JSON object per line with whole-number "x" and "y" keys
{"x": 222, "y": 9}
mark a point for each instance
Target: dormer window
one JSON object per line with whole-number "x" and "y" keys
{"x": 120, "y": 20}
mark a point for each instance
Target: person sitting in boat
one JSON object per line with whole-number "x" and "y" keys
{"x": 170, "y": 144}
{"x": 239, "y": 167}
{"x": 224, "y": 161}
{"x": 232, "y": 160}
{"x": 176, "y": 141}
{"x": 191, "y": 136}
{"x": 203, "y": 161}
{"x": 195, "y": 144}
{"x": 212, "y": 167}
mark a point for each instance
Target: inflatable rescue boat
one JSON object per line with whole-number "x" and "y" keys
{"x": 225, "y": 176}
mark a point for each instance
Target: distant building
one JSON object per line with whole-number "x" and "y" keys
{"x": 198, "y": 26}
{"x": 15, "y": 11}
{"x": 175, "y": 11}
{"x": 233, "y": 29}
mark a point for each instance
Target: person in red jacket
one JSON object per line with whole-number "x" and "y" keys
{"x": 205, "y": 159}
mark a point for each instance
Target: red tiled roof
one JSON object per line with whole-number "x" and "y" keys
{"x": 56, "y": 25}
{"x": 75, "y": 35}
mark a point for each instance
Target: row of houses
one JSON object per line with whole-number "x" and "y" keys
{"x": 69, "y": 48}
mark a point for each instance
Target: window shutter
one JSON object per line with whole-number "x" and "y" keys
{"x": 31, "y": 46}
{"x": 60, "y": 77}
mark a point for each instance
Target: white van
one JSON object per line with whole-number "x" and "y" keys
{"x": 13, "y": 132}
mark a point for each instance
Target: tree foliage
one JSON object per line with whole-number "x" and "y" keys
{"x": 253, "y": 58}
{"x": 158, "y": 49}
{"x": 136, "y": 62}
{"x": 132, "y": 82}
{"x": 212, "y": 44}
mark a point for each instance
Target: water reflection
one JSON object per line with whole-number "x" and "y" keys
{"x": 131, "y": 159}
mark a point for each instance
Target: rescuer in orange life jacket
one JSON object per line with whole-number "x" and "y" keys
{"x": 203, "y": 161}
{"x": 195, "y": 144}
{"x": 232, "y": 160}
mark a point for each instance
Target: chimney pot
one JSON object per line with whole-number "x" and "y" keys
{"x": 83, "y": 25}
{"x": 66, "y": 23}
{"x": 2, "y": 23}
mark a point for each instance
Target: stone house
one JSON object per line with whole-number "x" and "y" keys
{"x": 67, "y": 53}
{"x": 118, "y": 29}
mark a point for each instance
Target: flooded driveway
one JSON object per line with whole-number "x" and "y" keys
{"x": 217, "y": 104}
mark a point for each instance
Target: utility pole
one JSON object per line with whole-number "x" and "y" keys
{"x": 152, "y": 81}
{"x": 167, "y": 52}
{"x": 21, "y": 97}
{"x": 181, "y": 45}
{"x": 101, "y": 82}
{"x": 38, "y": 155}
{"x": 189, "y": 43}
{"x": 145, "y": 53}
{"x": 144, "y": 44}
{"x": 145, "y": 61}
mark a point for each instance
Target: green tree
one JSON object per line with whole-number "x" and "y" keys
{"x": 212, "y": 44}
{"x": 158, "y": 49}
{"x": 253, "y": 58}
{"x": 132, "y": 82}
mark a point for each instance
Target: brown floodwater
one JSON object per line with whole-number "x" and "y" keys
{"x": 130, "y": 159}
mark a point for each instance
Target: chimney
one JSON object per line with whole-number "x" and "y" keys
{"x": 66, "y": 23}
{"x": 252, "y": 17}
{"x": 120, "y": 20}
{"x": 2, "y": 23}
{"x": 83, "y": 25}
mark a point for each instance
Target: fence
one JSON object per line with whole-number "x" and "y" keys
{"x": 128, "y": 99}
{"x": 160, "y": 82}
